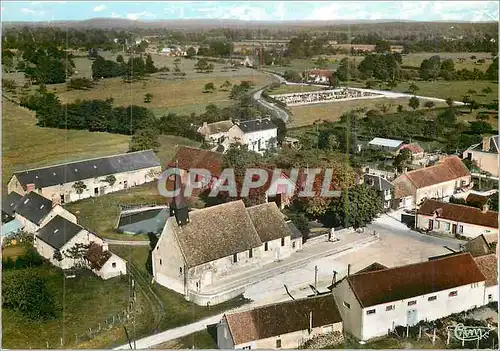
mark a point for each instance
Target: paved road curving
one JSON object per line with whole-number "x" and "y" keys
{"x": 280, "y": 112}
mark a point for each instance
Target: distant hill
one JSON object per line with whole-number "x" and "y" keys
{"x": 108, "y": 23}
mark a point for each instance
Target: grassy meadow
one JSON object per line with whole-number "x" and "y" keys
{"x": 25, "y": 145}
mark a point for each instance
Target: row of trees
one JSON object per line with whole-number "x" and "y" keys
{"x": 48, "y": 66}
{"x": 134, "y": 68}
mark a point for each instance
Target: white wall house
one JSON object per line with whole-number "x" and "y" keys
{"x": 373, "y": 303}
{"x": 485, "y": 154}
{"x": 258, "y": 134}
{"x": 449, "y": 218}
{"x": 284, "y": 325}
{"x": 33, "y": 211}
{"x": 202, "y": 250}
{"x": 216, "y": 132}
{"x": 59, "y": 236}
{"x": 435, "y": 182}
{"x": 100, "y": 176}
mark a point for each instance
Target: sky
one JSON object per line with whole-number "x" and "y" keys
{"x": 251, "y": 11}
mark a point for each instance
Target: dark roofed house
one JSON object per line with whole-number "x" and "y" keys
{"x": 55, "y": 240}
{"x": 33, "y": 211}
{"x": 284, "y": 325}
{"x": 373, "y": 302}
{"x": 9, "y": 202}
{"x": 57, "y": 182}
{"x": 217, "y": 244}
{"x": 455, "y": 219}
{"x": 382, "y": 186}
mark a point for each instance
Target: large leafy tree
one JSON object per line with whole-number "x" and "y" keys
{"x": 402, "y": 160}
{"x": 25, "y": 290}
{"x": 358, "y": 206}
{"x": 145, "y": 139}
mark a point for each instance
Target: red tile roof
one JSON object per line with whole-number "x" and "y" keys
{"x": 282, "y": 318}
{"x": 488, "y": 265}
{"x": 450, "y": 168}
{"x": 392, "y": 284}
{"x": 414, "y": 148}
{"x": 459, "y": 213}
{"x": 320, "y": 72}
{"x": 190, "y": 157}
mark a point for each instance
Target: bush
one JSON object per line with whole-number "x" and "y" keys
{"x": 79, "y": 84}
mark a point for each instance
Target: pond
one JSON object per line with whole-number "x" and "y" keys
{"x": 143, "y": 222}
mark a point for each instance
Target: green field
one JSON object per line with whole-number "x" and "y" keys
{"x": 82, "y": 302}
{"x": 308, "y": 114}
{"x": 415, "y": 59}
{"x": 24, "y": 145}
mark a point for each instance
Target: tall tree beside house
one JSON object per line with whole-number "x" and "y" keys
{"x": 402, "y": 160}
{"x": 357, "y": 207}
{"x": 25, "y": 290}
{"x": 190, "y": 52}
{"x": 77, "y": 253}
{"x": 57, "y": 255}
{"x": 145, "y": 139}
{"x": 79, "y": 186}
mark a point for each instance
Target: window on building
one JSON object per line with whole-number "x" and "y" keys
{"x": 490, "y": 296}
{"x": 436, "y": 224}
{"x": 447, "y": 226}
{"x": 389, "y": 308}
{"x": 247, "y": 347}
{"x": 180, "y": 270}
{"x": 460, "y": 229}
{"x": 474, "y": 285}
{"x": 62, "y": 198}
{"x": 160, "y": 261}
{"x": 453, "y": 293}
{"x": 113, "y": 264}
{"x": 250, "y": 253}
{"x": 411, "y": 303}
{"x": 347, "y": 305}
{"x": 266, "y": 246}
{"x": 282, "y": 241}
{"x": 432, "y": 298}
{"x": 370, "y": 311}
{"x": 235, "y": 258}
{"x": 225, "y": 333}
{"x": 293, "y": 244}
{"x": 278, "y": 343}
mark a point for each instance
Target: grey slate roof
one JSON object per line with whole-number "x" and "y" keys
{"x": 256, "y": 125}
{"x": 9, "y": 202}
{"x": 92, "y": 168}
{"x": 58, "y": 232}
{"x": 379, "y": 183}
{"x": 34, "y": 207}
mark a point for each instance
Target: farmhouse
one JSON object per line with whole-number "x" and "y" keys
{"x": 485, "y": 154}
{"x": 259, "y": 134}
{"x": 93, "y": 177}
{"x": 200, "y": 250}
{"x": 284, "y": 325}
{"x": 58, "y": 237}
{"x": 374, "y": 302}
{"x": 33, "y": 211}
{"x": 216, "y": 132}
{"x": 382, "y": 186}
{"x": 440, "y": 181}
{"x": 449, "y": 218}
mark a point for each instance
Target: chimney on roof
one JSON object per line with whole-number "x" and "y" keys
{"x": 486, "y": 144}
{"x": 30, "y": 187}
